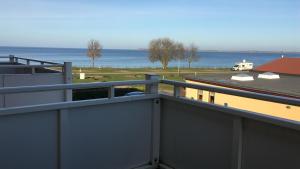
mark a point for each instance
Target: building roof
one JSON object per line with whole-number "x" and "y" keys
{"x": 285, "y": 65}
{"x": 286, "y": 85}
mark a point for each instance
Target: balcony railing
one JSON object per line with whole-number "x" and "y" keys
{"x": 17, "y": 71}
{"x": 12, "y": 61}
{"x": 153, "y": 130}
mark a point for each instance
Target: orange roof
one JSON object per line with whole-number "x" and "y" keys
{"x": 283, "y": 65}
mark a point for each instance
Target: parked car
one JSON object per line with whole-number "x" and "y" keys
{"x": 137, "y": 93}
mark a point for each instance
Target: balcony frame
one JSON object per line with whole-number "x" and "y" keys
{"x": 151, "y": 84}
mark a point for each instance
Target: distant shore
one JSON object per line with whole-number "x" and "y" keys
{"x": 145, "y": 49}
{"x": 119, "y": 58}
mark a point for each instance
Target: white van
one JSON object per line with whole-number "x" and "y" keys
{"x": 242, "y": 66}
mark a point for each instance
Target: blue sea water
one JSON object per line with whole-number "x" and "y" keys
{"x": 120, "y": 58}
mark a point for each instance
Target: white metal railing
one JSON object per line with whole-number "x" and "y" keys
{"x": 14, "y": 59}
{"x": 30, "y": 66}
{"x": 113, "y": 127}
{"x": 173, "y": 112}
{"x": 151, "y": 87}
{"x": 34, "y": 60}
{"x": 110, "y": 85}
{"x": 15, "y": 62}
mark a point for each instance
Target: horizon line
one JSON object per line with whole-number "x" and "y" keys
{"x": 144, "y": 49}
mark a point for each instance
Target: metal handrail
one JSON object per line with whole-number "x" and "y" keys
{"x": 34, "y": 60}
{"x": 31, "y": 60}
{"x": 176, "y": 84}
{"x": 30, "y": 66}
{"x": 26, "y": 89}
{"x": 265, "y": 97}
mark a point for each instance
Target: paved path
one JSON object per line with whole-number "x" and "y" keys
{"x": 130, "y": 73}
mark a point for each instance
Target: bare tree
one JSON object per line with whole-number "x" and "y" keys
{"x": 94, "y": 50}
{"x": 163, "y": 50}
{"x": 179, "y": 54}
{"x": 191, "y": 54}
{"x": 179, "y": 51}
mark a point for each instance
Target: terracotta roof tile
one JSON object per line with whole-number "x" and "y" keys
{"x": 285, "y": 65}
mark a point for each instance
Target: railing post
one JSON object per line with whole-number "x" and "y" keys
{"x": 176, "y": 91}
{"x": 237, "y": 143}
{"x": 33, "y": 70}
{"x": 111, "y": 92}
{"x": 16, "y": 59}
{"x": 156, "y": 113}
{"x": 151, "y": 88}
{"x": 62, "y": 138}
{"x": 68, "y": 79}
{"x": 28, "y": 62}
{"x": 155, "y": 135}
{"x": 11, "y": 58}
{"x": 63, "y": 119}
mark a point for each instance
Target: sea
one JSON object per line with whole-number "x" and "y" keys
{"x": 121, "y": 58}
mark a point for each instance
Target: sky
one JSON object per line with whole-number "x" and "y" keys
{"x": 265, "y": 25}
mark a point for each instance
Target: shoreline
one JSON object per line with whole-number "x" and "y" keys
{"x": 142, "y": 49}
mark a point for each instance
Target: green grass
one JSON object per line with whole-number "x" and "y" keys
{"x": 142, "y": 70}
{"x": 121, "y": 74}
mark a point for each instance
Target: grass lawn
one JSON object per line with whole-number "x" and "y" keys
{"x": 146, "y": 70}
{"x": 121, "y": 74}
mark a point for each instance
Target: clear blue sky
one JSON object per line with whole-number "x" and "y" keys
{"x": 211, "y": 24}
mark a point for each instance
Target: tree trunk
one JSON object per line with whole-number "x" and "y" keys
{"x": 165, "y": 65}
{"x": 178, "y": 67}
{"x": 93, "y": 61}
